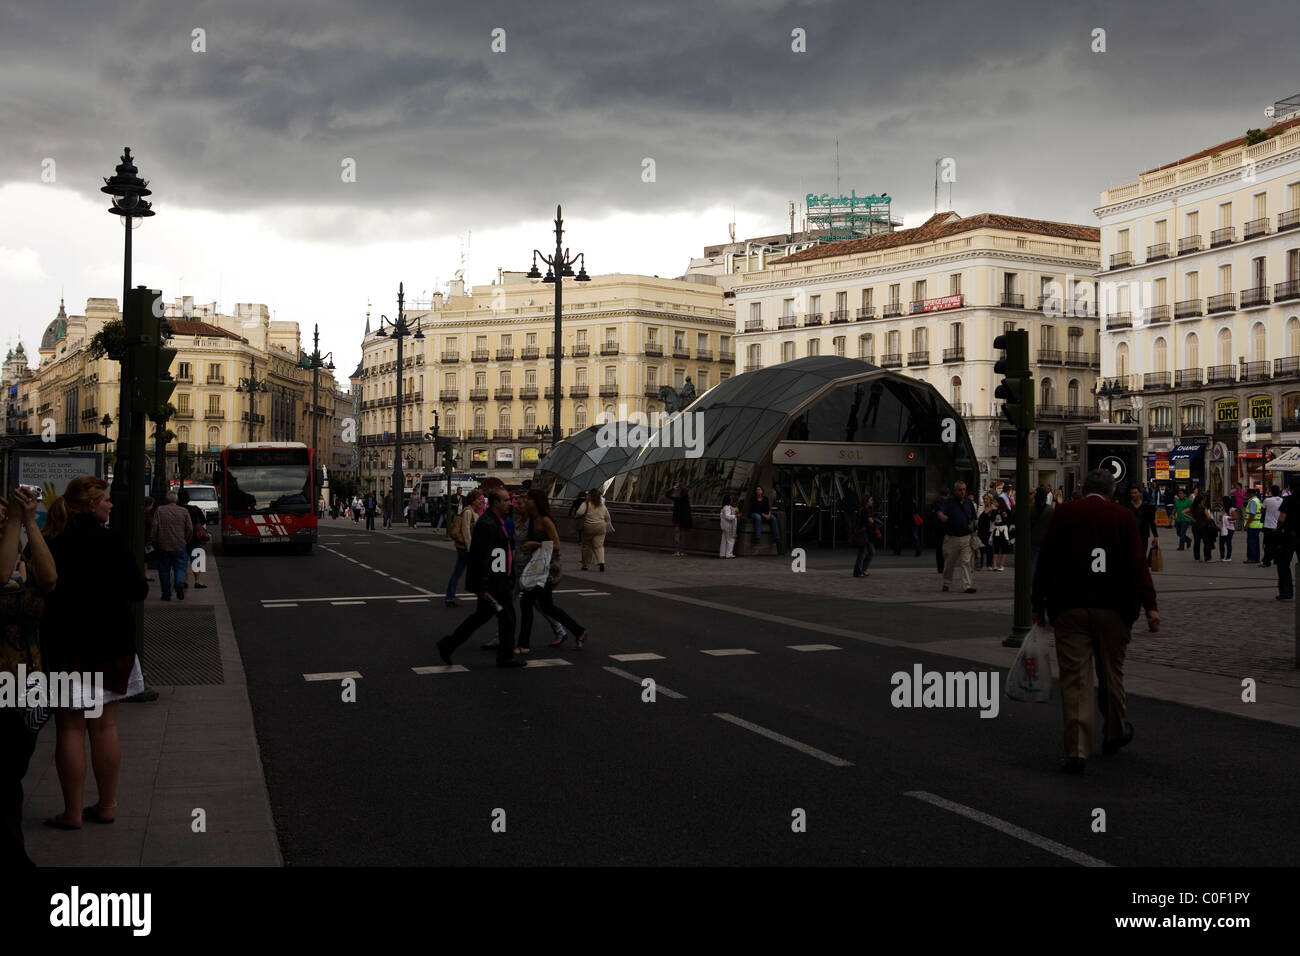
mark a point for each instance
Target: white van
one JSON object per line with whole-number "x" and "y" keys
{"x": 204, "y": 497}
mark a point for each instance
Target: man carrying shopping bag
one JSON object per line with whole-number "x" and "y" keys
{"x": 1091, "y": 579}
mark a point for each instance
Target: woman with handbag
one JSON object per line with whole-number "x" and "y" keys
{"x": 541, "y": 529}
{"x": 594, "y": 521}
{"x": 200, "y": 537}
{"x": 864, "y": 537}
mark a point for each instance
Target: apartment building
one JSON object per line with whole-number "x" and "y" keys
{"x": 1201, "y": 297}
{"x": 18, "y": 381}
{"x": 486, "y": 365}
{"x": 929, "y": 301}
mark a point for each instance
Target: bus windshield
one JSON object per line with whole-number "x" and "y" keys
{"x": 262, "y": 481}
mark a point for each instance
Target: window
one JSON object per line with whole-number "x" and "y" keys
{"x": 679, "y": 378}
{"x": 1162, "y": 231}
{"x": 1192, "y": 224}
{"x": 919, "y": 340}
{"x": 866, "y": 348}
{"x": 702, "y": 380}
{"x": 1225, "y": 278}
{"x": 787, "y": 308}
{"x": 755, "y": 316}
{"x": 1161, "y": 417}
{"x": 815, "y": 304}
{"x": 894, "y": 293}
{"x": 611, "y": 376}
{"x": 580, "y": 417}
{"x": 955, "y": 336}
{"x": 1258, "y": 272}
{"x": 841, "y": 302}
{"x": 1225, "y": 347}
{"x": 652, "y": 334}
{"x": 1293, "y": 336}
{"x": 1072, "y": 393}
{"x": 652, "y": 377}
{"x": 679, "y": 341}
{"x": 954, "y": 390}
{"x": 183, "y": 402}
{"x": 837, "y": 345}
{"x": 507, "y": 341}
{"x": 183, "y": 371}
{"x": 893, "y": 342}
{"x": 1293, "y": 195}
{"x": 1192, "y": 416}
{"x": 918, "y": 290}
{"x": 214, "y": 437}
{"x": 530, "y": 417}
{"x": 530, "y": 377}
{"x": 1121, "y": 360}
{"x": 503, "y": 416}
{"x": 530, "y": 340}
{"x": 1225, "y": 214}
{"x": 505, "y": 381}
{"x": 814, "y": 346}
{"x": 1047, "y": 337}
{"x": 866, "y": 298}
{"x": 580, "y": 337}
{"x": 1292, "y": 264}
{"x": 183, "y": 434}
{"x": 954, "y": 284}
{"x": 1121, "y": 241}
{"x": 579, "y": 377}
{"x": 214, "y": 403}
{"x": 480, "y": 380}
{"x": 1159, "y": 292}
{"x": 1045, "y": 392}
{"x": 611, "y": 337}
{"x": 753, "y": 358}
{"x": 480, "y": 343}
{"x": 1008, "y": 326}
{"x": 449, "y": 417}
{"x": 214, "y": 372}
{"x": 787, "y": 352}
{"x": 1258, "y": 343}
{"x": 480, "y": 419}
{"x": 1259, "y": 206}
{"x": 1160, "y": 356}
{"x": 1193, "y": 285}
{"x": 724, "y": 343}
{"x": 702, "y": 341}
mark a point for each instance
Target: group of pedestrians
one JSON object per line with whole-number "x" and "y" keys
{"x": 65, "y": 609}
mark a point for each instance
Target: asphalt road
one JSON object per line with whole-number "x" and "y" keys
{"x": 582, "y": 771}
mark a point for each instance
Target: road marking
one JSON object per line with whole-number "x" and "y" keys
{"x": 384, "y": 573}
{"x": 412, "y": 600}
{"x": 659, "y": 688}
{"x": 813, "y": 647}
{"x": 593, "y": 594}
{"x": 548, "y": 662}
{"x": 351, "y": 597}
{"x": 292, "y": 604}
{"x": 366, "y": 566}
{"x": 338, "y": 675}
{"x": 442, "y": 669}
{"x": 1020, "y": 833}
{"x": 400, "y": 581}
{"x": 637, "y": 657}
{"x": 728, "y": 652}
{"x": 345, "y": 603}
{"x": 862, "y": 636}
{"x": 788, "y": 741}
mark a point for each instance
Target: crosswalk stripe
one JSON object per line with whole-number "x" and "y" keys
{"x": 813, "y": 647}
{"x": 638, "y": 657}
{"x": 345, "y": 603}
{"x": 442, "y": 669}
{"x": 336, "y": 675}
{"x": 728, "y": 652}
{"x": 548, "y": 662}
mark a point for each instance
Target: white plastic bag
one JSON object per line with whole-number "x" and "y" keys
{"x": 1030, "y": 678}
{"x": 534, "y": 575}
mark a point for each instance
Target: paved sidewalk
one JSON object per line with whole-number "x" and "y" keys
{"x": 193, "y": 748}
{"x": 1220, "y": 622}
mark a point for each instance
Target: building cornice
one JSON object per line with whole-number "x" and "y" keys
{"x": 1197, "y": 185}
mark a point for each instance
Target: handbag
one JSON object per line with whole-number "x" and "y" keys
{"x": 1155, "y": 559}
{"x": 201, "y": 535}
{"x": 537, "y": 573}
{"x": 1030, "y": 677}
{"x": 917, "y": 519}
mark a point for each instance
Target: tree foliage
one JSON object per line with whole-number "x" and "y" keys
{"x": 110, "y": 341}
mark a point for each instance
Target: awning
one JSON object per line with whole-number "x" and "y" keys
{"x": 1186, "y": 452}
{"x": 1287, "y": 461}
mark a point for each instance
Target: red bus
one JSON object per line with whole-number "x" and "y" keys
{"x": 268, "y": 495}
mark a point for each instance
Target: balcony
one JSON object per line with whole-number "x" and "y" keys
{"x": 550, "y": 351}
{"x": 1119, "y": 260}
{"x": 1084, "y": 309}
{"x": 725, "y": 356}
{"x": 1081, "y": 412}
{"x": 185, "y": 378}
{"x": 503, "y": 434}
{"x": 866, "y": 312}
{"x": 1253, "y": 298}
{"x": 651, "y": 391}
{"x": 1050, "y": 304}
{"x": 1187, "y": 309}
{"x": 1158, "y": 251}
{"x": 528, "y": 393}
{"x": 1049, "y": 356}
{"x": 868, "y": 357}
{"x": 1187, "y": 378}
{"x": 1285, "y": 291}
{"x": 1288, "y": 220}
{"x": 752, "y": 368}
{"x": 752, "y": 325}
{"x": 549, "y": 391}
{"x": 1254, "y": 372}
{"x": 656, "y": 350}
{"x": 214, "y": 414}
{"x": 1119, "y": 320}
{"x": 257, "y": 419}
{"x": 1189, "y": 244}
{"x": 787, "y": 322}
{"x": 478, "y": 434}
{"x": 449, "y": 395}
{"x": 957, "y": 354}
{"x": 1256, "y": 227}
{"x": 504, "y": 395}
{"x": 581, "y": 350}
{"x": 840, "y": 315}
{"x": 1160, "y": 431}
{"x": 577, "y": 391}
{"x": 812, "y": 318}
{"x": 1156, "y": 380}
{"x": 681, "y": 352}
{"x": 451, "y": 356}
{"x": 1079, "y": 359}
{"x": 89, "y": 413}
{"x": 1286, "y": 367}
{"x": 891, "y": 360}
{"x": 1189, "y": 429}
{"x": 609, "y": 391}
{"x": 1156, "y": 315}
{"x": 478, "y": 394}
{"x": 609, "y": 348}
{"x": 184, "y": 413}
{"x": 479, "y": 355}
{"x": 216, "y": 380}
{"x": 1117, "y": 384}
{"x": 1219, "y": 375}
{"x": 1223, "y": 237}
{"x": 893, "y": 310}
{"x": 1013, "y": 300}
{"x": 1226, "y": 302}
{"x": 704, "y": 355}
{"x": 919, "y": 358}
{"x": 505, "y": 355}
{"x": 529, "y": 353}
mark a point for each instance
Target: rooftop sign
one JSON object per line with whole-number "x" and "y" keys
{"x": 852, "y": 200}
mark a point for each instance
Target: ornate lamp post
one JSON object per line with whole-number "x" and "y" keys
{"x": 252, "y": 385}
{"x": 316, "y": 362}
{"x": 106, "y": 423}
{"x": 559, "y": 267}
{"x": 399, "y": 330}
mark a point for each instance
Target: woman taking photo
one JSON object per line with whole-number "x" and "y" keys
{"x": 541, "y": 528}
{"x": 89, "y": 627}
{"x": 594, "y": 518}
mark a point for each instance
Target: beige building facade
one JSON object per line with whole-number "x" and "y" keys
{"x": 929, "y": 301}
{"x": 486, "y": 363}
{"x": 1201, "y": 298}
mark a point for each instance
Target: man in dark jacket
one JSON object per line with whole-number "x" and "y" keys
{"x": 1144, "y": 513}
{"x": 1091, "y": 579}
{"x": 491, "y": 554}
{"x": 370, "y": 505}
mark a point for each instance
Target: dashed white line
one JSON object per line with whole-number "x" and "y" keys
{"x": 788, "y": 741}
{"x": 813, "y": 647}
{"x": 345, "y": 603}
{"x": 400, "y": 581}
{"x": 637, "y": 657}
{"x": 548, "y": 662}
{"x": 1020, "y": 833}
{"x": 336, "y": 675}
{"x": 292, "y": 604}
{"x": 729, "y": 652}
{"x": 366, "y": 566}
{"x": 593, "y": 594}
{"x": 412, "y": 600}
{"x": 659, "y": 688}
{"x": 442, "y": 669}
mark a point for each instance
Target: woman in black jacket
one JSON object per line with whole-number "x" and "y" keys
{"x": 681, "y": 519}
{"x": 89, "y": 627}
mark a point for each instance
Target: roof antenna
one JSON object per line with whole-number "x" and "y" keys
{"x": 837, "y": 167}
{"x": 936, "y": 186}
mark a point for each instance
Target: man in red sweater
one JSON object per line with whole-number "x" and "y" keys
{"x": 1090, "y": 581}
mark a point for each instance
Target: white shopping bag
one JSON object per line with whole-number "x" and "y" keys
{"x": 539, "y": 566}
{"x": 1030, "y": 678}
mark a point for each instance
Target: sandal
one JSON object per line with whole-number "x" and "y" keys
{"x": 96, "y": 814}
{"x": 559, "y": 640}
{"x": 58, "y": 824}
{"x": 578, "y": 641}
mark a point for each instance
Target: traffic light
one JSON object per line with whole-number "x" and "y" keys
{"x": 1017, "y": 388}
{"x": 152, "y": 383}
{"x": 449, "y": 459}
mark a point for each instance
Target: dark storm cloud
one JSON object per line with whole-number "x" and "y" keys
{"x": 586, "y": 90}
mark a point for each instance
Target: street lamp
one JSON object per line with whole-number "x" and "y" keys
{"x": 432, "y": 435}
{"x": 399, "y": 330}
{"x": 559, "y": 267}
{"x": 1108, "y": 389}
{"x": 252, "y": 385}
{"x": 543, "y": 435}
{"x": 106, "y": 422}
{"x": 316, "y": 362}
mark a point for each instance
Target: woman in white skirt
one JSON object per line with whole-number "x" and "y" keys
{"x": 729, "y": 519}
{"x": 89, "y": 629}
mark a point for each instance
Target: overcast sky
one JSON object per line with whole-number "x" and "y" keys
{"x": 244, "y": 144}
